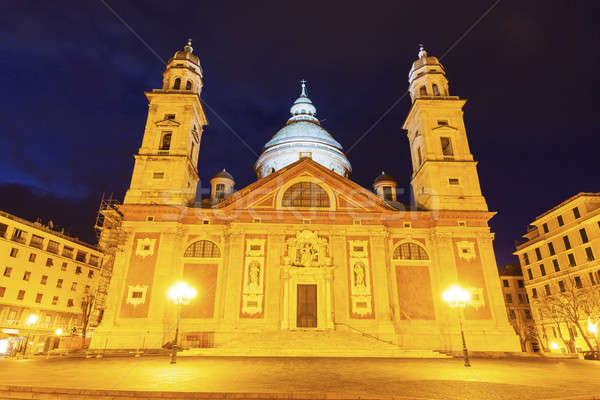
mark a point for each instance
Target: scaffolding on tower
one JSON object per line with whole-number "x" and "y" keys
{"x": 110, "y": 237}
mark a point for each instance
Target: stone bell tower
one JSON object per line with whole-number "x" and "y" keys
{"x": 444, "y": 172}
{"x": 165, "y": 170}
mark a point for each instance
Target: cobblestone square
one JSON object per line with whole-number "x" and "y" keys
{"x": 520, "y": 379}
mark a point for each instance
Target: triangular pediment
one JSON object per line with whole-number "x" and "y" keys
{"x": 444, "y": 128}
{"x": 168, "y": 123}
{"x": 344, "y": 194}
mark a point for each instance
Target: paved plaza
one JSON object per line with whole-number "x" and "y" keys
{"x": 422, "y": 379}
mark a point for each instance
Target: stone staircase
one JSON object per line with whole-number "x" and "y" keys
{"x": 310, "y": 343}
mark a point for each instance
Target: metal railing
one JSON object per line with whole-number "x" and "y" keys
{"x": 363, "y": 333}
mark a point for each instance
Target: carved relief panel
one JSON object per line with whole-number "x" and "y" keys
{"x": 253, "y": 287}
{"x": 361, "y": 296}
{"x": 307, "y": 249}
{"x": 136, "y": 294}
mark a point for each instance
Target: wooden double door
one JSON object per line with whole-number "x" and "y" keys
{"x": 306, "y": 316}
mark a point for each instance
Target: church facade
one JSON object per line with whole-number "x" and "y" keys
{"x": 304, "y": 248}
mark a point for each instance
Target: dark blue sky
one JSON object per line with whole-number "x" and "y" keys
{"x": 73, "y": 109}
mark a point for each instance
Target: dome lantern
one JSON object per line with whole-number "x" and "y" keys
{"x": 183, "y": 73}
{"x": 427, "y": 77}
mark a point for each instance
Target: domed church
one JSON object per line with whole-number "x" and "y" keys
{"x": 303, "y": 261}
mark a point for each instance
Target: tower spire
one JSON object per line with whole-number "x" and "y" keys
{"x": 422, "y": 51}
{"x": 188, "y": 47}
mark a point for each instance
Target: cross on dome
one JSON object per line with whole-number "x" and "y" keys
{"x": 303, "y": 84}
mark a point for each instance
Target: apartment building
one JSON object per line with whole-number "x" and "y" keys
{"x": 517, "y": 306}
{"x": 45, "y": 276}
{"x": 561, "y": 269}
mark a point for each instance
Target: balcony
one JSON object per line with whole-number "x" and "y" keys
{"x": 18, "y": 239}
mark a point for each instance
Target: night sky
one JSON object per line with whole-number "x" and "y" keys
{"x": 73, "y": 109}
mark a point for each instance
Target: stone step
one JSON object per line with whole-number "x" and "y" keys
{"x": 309, "y": 344}
{"x": 349, "y": 353}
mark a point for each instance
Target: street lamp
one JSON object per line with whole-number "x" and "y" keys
{"x": 31, "y": 320}
{"x": 457, "y": 297}
{"x": 180, "y": 293}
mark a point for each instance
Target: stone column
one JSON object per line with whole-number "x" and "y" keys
{"x": 273, "y": 282}
{"x": 379, "y": 274}
{"x": 341, "y": 297}
{"x": 443, "y": 275}
{"x": 235, "y": 269}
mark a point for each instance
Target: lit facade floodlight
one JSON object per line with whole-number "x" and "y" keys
{"x": 58, "y": 332}
{"x": 457, "y": 297}
{"x": 32, "y": 319}
{"x": 180, "y": 293}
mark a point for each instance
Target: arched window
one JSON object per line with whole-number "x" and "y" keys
{"x": 177, "y": 84}
{"x": 387, "y": 193}
{"x": 305, "y": 194}
{"x": 219, "y": 191}
{"x": 436, "y": 91}
{"x": 165, "y": 143}
{"x": 423, "y": 91}
{"x": 203, "y": 248}
{"x": 410, "y": 251}
{"x": 188, "y": 85}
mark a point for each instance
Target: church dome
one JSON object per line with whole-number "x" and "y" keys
{"x": 223, "y": 174}
{"x": 187, "y": 54}
{"x": 383, "y": 177}
{"x": 302, "y": 136}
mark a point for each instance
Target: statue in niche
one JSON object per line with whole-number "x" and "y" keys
{"x": 254, "y": 274}
{"x": 359, "y": 275}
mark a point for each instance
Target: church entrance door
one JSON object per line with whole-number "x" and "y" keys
{"x": 306, "y": 316}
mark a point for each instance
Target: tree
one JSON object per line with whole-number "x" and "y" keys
{"x": 87, "y": 306}
{"x": 525, "y": 329}
{"x": 572, "y": 305}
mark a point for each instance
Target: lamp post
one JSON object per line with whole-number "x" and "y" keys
{"x": 31, "y": 320}
{"x": 457, "y": 297}
{"x": 180, "y": 293}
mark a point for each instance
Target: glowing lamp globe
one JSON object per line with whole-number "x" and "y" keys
{"x": 32, "y": 319}
{"x": 456, "y": 296}
{"x": 58, "y": 332}
{"x": 554, "y": 345}
{"x": 182, "y": 293}
{"x": 593, "y": 328}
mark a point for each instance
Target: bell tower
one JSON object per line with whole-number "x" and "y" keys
{"x": 444, "y": 172}
{"x": 165, "y": 170}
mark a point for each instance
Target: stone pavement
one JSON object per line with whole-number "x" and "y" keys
{"x": 505, "y": 379}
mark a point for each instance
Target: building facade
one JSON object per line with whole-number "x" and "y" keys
{"x": 559, "y": 259}
{"x": 304, "y": 248}
{"x": 517, "y": 306}
{"x": 45, "y": 277}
